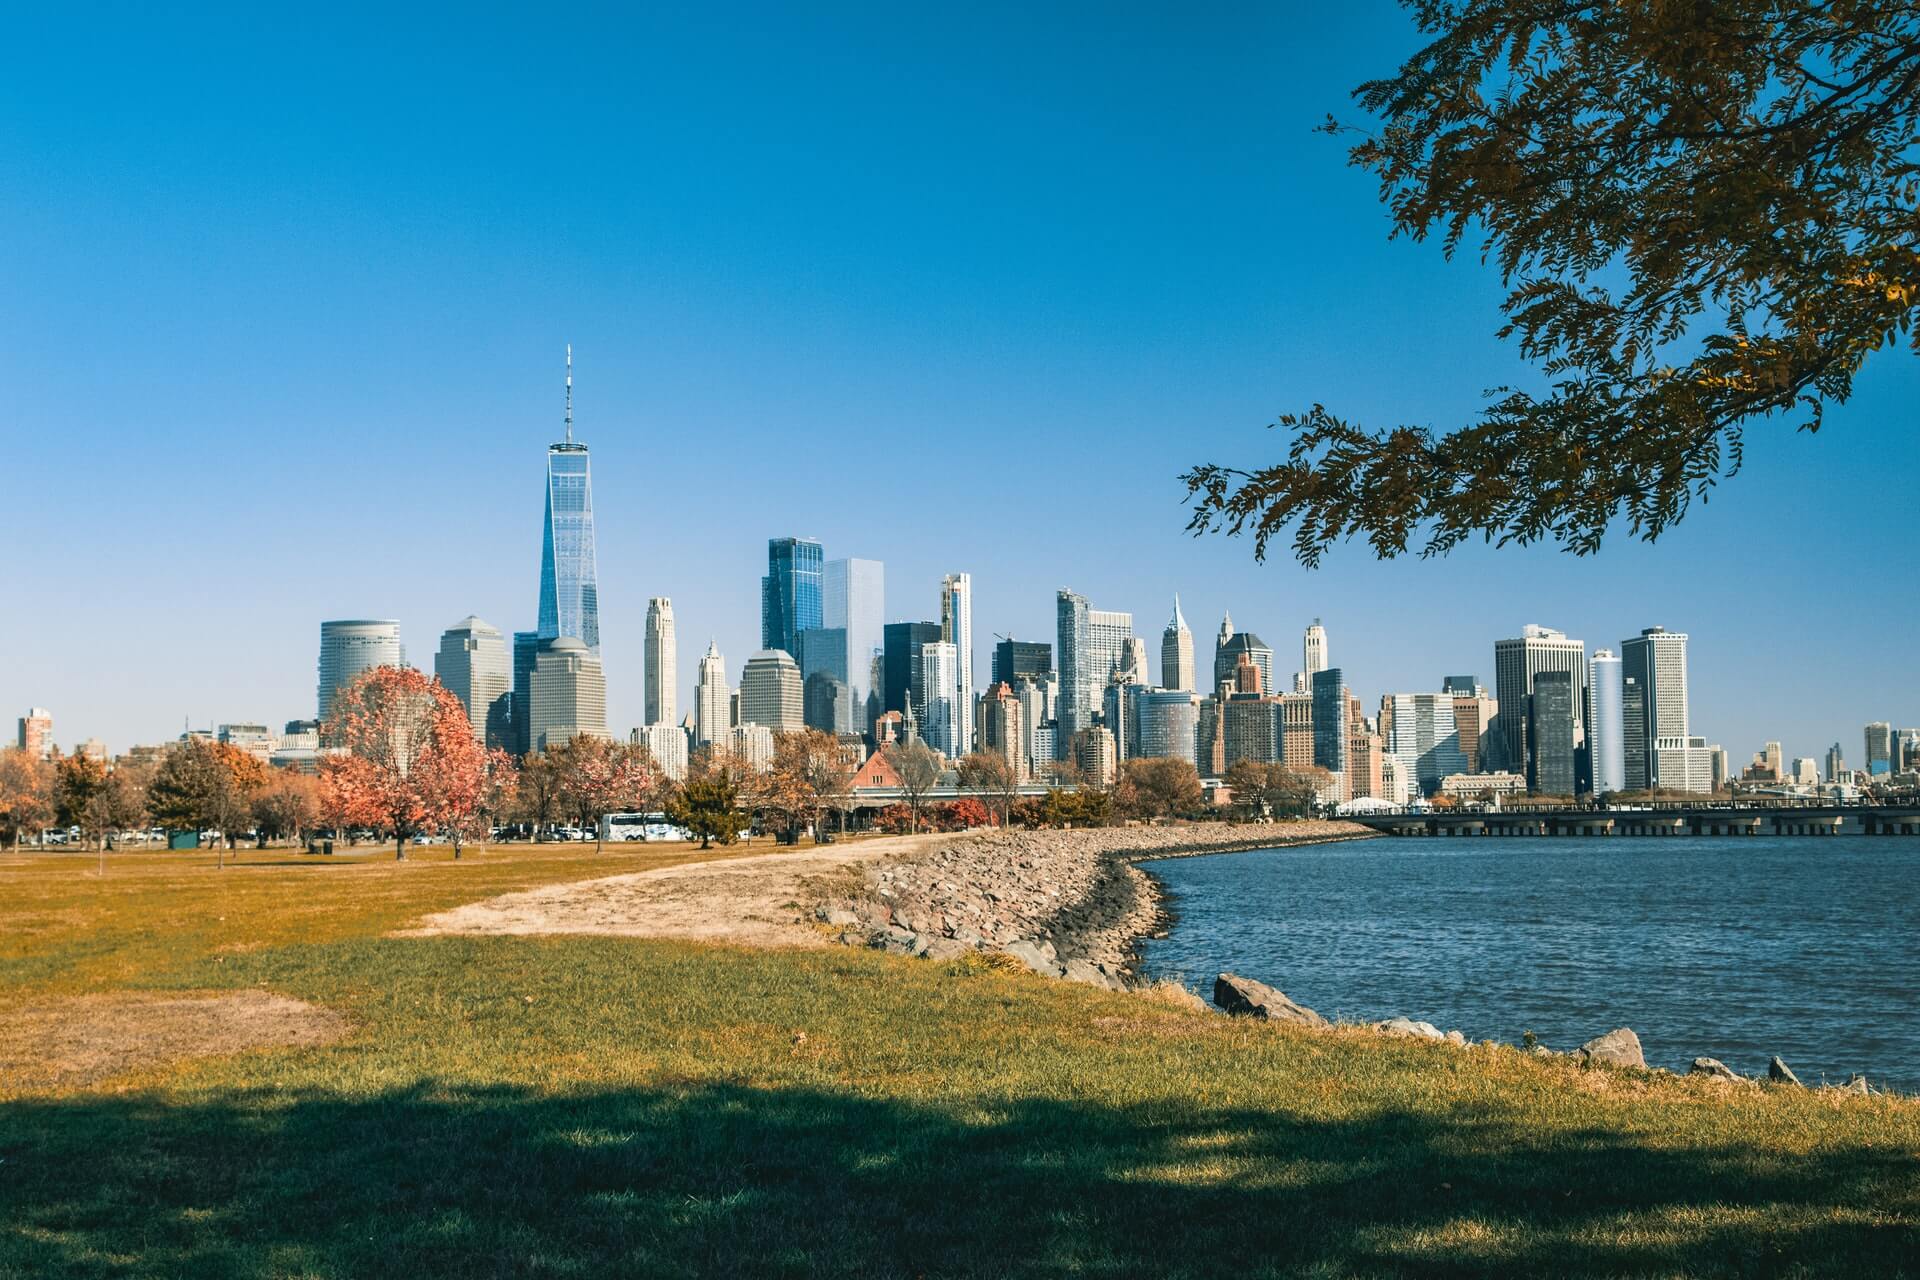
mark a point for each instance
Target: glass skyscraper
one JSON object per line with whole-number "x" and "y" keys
{"x": 790, "y": 593}
{"x": 569, "y": 584}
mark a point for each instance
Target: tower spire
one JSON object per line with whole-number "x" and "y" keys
{"x": 569, "y": 393}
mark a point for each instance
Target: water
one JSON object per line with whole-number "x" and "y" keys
{"x": 1732, "y": 948}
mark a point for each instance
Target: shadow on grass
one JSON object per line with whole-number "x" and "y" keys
{"x": 718, "y": 1180}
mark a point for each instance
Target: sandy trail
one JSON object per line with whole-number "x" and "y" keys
{"x": 735, "y": 900}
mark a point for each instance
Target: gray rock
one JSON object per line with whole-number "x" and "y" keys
{"x": 1037, "y": 956}
{"x": 1256, "y": 999}
{"x": 1856, "y": 1085}
{"x": 1618, "y": 1048}
{"x": 1780, "y": 1073}
{"x": 1408, "y": 1027}
{"x": 839, "y": 917}
{"x": 1092, "y": 974}
{"x": 1713, "y": 1067}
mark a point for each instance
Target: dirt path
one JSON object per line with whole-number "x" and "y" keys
{"x": 737, "y": 900}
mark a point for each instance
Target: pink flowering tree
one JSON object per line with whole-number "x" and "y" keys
{"x": 404, "y": 758}
{"x": 598, "y": 777}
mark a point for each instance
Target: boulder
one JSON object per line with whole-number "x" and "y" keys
{"x": 1408, "y": 1027}
{"x": 946, "y": 949}
{"x": 1037, "y": 956}
{"x": 1780, "y": 1073}
{"x": 1092, "y": 974}
{"x": 1258, "y": 1000}
{"x": 1714, "y": 1068}
{"x": 838, "y": 917}
{"x": 1618, "y": 1048}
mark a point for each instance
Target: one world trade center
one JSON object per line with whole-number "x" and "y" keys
{"x": 569, "y": 587}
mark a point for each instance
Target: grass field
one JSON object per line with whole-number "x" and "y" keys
{"x": 595, "y": 1106}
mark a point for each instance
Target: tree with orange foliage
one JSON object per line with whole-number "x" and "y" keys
{"x": 598, "y": 777}
{"x": 406, "y": 758}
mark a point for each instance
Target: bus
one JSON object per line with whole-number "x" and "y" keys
{"x": 639, "y": 826}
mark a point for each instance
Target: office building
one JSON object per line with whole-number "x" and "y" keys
{"x": 1552, "y": 733}
{"x": 526, "y": 646}
{"x": 1473, "y": 718}
{"x": 1094, "y": 755}
{"x": 472, "y": 663}
{"x": 1906, "y": 750}
{"x": 1463, "y": 687}
{"x": 1517, "y": 664}
{"x": 1002, "y": 728}
{"x": 827, "y": 704}
{"x": 666, "y": 746}
{"x": 1879, "y": 743}
{"x": 1176, "y": 652}
{"x": 854, "y": 600}
{"x": 1313, "y": 650}
{"x": 1836, "y": 764}
{"x": 1367, "y": 763}
{"x": 1685, "y": 764}
{"x": 791, "y": 598}
{"x": 1013, "y": 659}
{"x": 1419, "y": 729}
{"x": 956, "y": 629}
{"x": 1804, "y": 771}
{"x": 1166, "y": 724}
{"x": 1296, "y": 730}
{"x": 712, "y": 700}
{"x": 903, "y": 642}
{"x": 1116, "y": 712}
{"x": 1654, "y": 666}
{"x": 1093, "y": 644}
{"x": 1332, "y": 725}
{"x": 750, "y": 746}
{"x": 569, "y": 694}
{"x": 351, "y": 646}
{"x": 1774, "y": 759}
{"x": 1249, "y": 729}
{"x": 1243, "y": 644}
{"x": 663, "y": 663}
{"x": 823, "y": 651}
{"x": 1039, "y": 694}
{"x": 36, "y": 733}
{"x": 569, "y": 581}
{"x": 772, "y": 692}
{"x": 939, "y": 711}
{"x": 1606, "y": 737}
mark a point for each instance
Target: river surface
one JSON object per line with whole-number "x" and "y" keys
{"x": 1732, "y": 948}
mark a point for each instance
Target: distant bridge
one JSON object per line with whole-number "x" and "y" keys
{"x": 1659, "y": 820}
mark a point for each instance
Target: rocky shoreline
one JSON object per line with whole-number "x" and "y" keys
{"x": 1065, "y": 903}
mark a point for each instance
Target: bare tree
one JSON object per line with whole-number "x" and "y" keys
{"x": 918, "y": 767}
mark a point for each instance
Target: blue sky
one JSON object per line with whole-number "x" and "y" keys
{"x": 283, "y": 300}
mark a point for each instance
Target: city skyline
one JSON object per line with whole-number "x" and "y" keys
{"x": 724, "y": 342}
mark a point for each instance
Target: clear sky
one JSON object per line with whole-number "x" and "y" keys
{"x": 283, "y": 299}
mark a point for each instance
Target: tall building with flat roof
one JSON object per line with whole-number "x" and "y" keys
{"x": 791, "y": 599}
{"x": 1166, "y": 724}
{"x": 1176, "y": 652}
{"x": 854, "y": 600}
{"x": 663, "y": 663}
{"x": 1606, "y": 736}
{"x": 1517, "y": 664}
{"x": 349, "y": 646}
{"x": 1332, "y": 724}
{"x": 36, "y": 733}
{"x": 1419, "y": 729}
{"x": 526, "y": 647}
{"x": 472, "y": 663}
{"x": 569, "y": 694}
{"x": 666, "y": 746}
{"x": 569, "y": 576}
{"x": 1013, "y": 659}
{"x": 1879, "y": 744}
{"x": 1313, "y": 649}
{"x": 903, "y": 643}
{"x": 772, "y": 692}
{"x": 1551, "y": 731}
{"x": 940, "y": 695}
{"x": 1655, "y": 662}
{"x": 1093, "y": 644}
{"x": 956, "y": 628}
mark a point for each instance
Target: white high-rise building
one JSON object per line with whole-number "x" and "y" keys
{"x": 1654, "y": 667}
{"x": 854, "y": 600}
{"x": 712, "y": 700}
{"x": 472, "y": 663}
{"x": 772, "y": 693}
{"x": 350, "y": 646}
{"x": 956, "y": 628}
{"x": 1606, "y": 736}
{"x": 1313, "y": 650}
{"x": 666, "y": 746}
{"x": 569, "y": 694}
{"x": 1176, "y": 652}
{"x": 940, "y": 720}
{"x": 1093, "y": 644}
{"x": 1134, "y": 667}
{"x": 663, "y": 663}
{"x": 1423, "y": 735}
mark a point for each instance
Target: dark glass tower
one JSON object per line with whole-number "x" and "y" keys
{"x": 569, "y": 584}
{"x": 790, "y": 600}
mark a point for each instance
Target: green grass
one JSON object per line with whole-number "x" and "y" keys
{"x": 583, "y": 1107}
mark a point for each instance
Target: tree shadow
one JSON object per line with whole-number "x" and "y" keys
{"x": 729, "y": 1180}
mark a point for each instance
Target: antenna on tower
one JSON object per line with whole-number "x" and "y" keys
{"x": 569, "y": 393}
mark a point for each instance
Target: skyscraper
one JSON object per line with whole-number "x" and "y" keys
{"x": 1420, "y": 731}
{"x": 569, "y": 582}
{"x": 1313, "y": 649}
{"x": 854, "y": 600}
{"x": 1166, "y": 724}
{"x": 1176, "y": 652}
{"x": 663, "y": 662}
{"x": 772, "y": 693}
{"x": 1551, "y": 723}
{"x": 1836, "y": 763}
{"x": 526, "y": 647}
{"x": 1517, "y": 664}
{"x": 1330, "y": 725}
{"x": 790, "y": 593}
{"x": 956, "y": 628}
{"x": 1879, "y": 743}
{"x": 939, "y": 712}
{"x": 903, "y": 642}
{"x": 569, "y": 694}
{"x": 36, "y": 733}
{"x": 712, "y": 700}
{"x": 1655, "y": 662}
{"x": 1606, "y": 736}
{"x": 1227, "y": 655}
{"x": 1015, "y": 658}
{"x": 352, "y": 645}
{"x": 472, "y": 663}
{"x": 827, "y": 703}
{"x": 1093, "y": 644}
